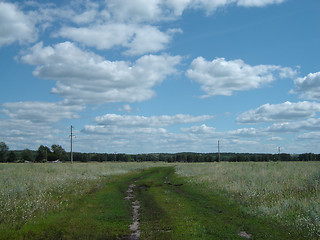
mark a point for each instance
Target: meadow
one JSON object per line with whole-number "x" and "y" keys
{"x": 32, "y": 189}
{"x": 286, "y": 192}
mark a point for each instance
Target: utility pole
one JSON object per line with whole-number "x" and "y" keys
{"x": 218, "y": 151}
{"x": 71, "y": 154}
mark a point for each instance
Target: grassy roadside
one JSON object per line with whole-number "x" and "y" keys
{"x": 287, "y": 192}
{"x": 101, "y": 214}
{"x": 172, "y": 207}
{"x": 175, "y": 211}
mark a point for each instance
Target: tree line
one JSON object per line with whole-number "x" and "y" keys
{"x": 56, "y": 152}
{"x": 43, "y": 154}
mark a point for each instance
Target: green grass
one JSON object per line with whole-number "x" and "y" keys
{"x": 287, "y": 192}
{"x": 216, "y": 200}
{"x": 100, "y": 214}
{"x": 28, "y": 191}
{"x": 175, "y": 211}
{"x": 31, "y": 191}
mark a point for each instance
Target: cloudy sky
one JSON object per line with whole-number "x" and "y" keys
{"x": 140, "y": 76}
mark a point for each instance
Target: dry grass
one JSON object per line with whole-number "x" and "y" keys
{"x": 289, "y": 192}
{"x": 29, "y": 190}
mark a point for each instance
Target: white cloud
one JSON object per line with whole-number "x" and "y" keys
{"x": 137, "y": 39}
{"x": 156, "y": 10}
{"x": 276, "y": 138}
{"x": 87, "y": 77}
{"x": 203, "y": 129}
{"x": 100, "y": 36}
{"x": 153, "y": 121}
{"x": 313, "y": 136}
{"x": 41, "y": 112}
{"x": 178, "y": 6}
{"x": 258, "y": 3}
{"x": 137, "y": 10}
{"x": 245, "y": 132}
{"x": 22, "y": 133}
{"x": 311, "y": 124}
{"x": 132, "y": 132}
{"x": 286, "y": 111}
{"x": 15, "y": 25}
{"x": 222, "y": 77}
{"x": 126, "y": 108}
{"x": 149, "y": 39}
{"x": 309, "y": 86}
{"x": 85, "y": 17}
{"x": 212, "y": 5}
{"x": 118, "y": 131}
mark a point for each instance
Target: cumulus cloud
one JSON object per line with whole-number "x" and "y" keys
{"x": 203, "y": 129}
{"x": 117, "y": 130}
{"x": 314, "y": 136}
{"x": 153, "y": 121}
{"x": 309, "y": 86}
{"x": 245, "y": 132}
{"x": 100, "y": 36}
{"x": 126, "y": 108}
{"x": 137, "y": 39}
{"x": 87, "y": 77}
{"x": 137, "y": 11}
{"x": 310, "y": 124}
{"x": 41, "y": 112}
{"x": 15, "y": 25}
{"x": 222, "y": 77}
{"x": 286, "y": 111}
{"x": 155, "y": 10}
{"x": 22, "y": 133}
{"x": 212, "y": 5}
{"x": 145, "y": 133}
{"x": 258, "y": 3}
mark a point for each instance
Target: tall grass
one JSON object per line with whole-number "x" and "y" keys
{"x": 289, "y": 192}
{"x": 30, "y": 190}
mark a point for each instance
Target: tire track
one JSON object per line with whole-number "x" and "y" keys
{"x": 135, "y": 226}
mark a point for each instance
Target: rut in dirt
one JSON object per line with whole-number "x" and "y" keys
{"x": 166, "y": 206}
{"x": 135, "y": 226}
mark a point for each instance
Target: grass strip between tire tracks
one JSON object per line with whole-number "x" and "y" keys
{"x": 171, "y": 208}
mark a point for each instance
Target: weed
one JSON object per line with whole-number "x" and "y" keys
{"x": 288, "y": 192}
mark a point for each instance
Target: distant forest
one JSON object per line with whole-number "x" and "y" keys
{"x": 56, "y": 152}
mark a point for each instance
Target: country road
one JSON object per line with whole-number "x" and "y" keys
{"x": 172, "y": 208}
{"x": 154, "y": 203}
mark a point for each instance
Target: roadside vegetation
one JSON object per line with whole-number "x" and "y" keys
{"x": 287, "y": 192}
{"x": 174, "y": 208}
{"x": 28, "y": 191}
{"x": 200, "y": 200}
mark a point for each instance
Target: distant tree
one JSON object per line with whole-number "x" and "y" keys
{"x": 3, "y": 151}
{"x": 12, "y": 157}
{"x": 97, "y": 157}
{"x": 59, "y": 152}
{"x": 42, "y": 153}
{"x": 26, "y": 155}
{"x": 307, "y": 157}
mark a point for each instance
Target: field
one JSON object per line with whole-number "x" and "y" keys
{"x": 288, "y": 192}
{"x": 258, "y": 197}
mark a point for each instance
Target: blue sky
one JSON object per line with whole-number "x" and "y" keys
{"x": 140, "y": 76}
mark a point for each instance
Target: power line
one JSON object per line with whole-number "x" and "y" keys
{"x": 218, "y": 151}
{"x": 71, "y": 153}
